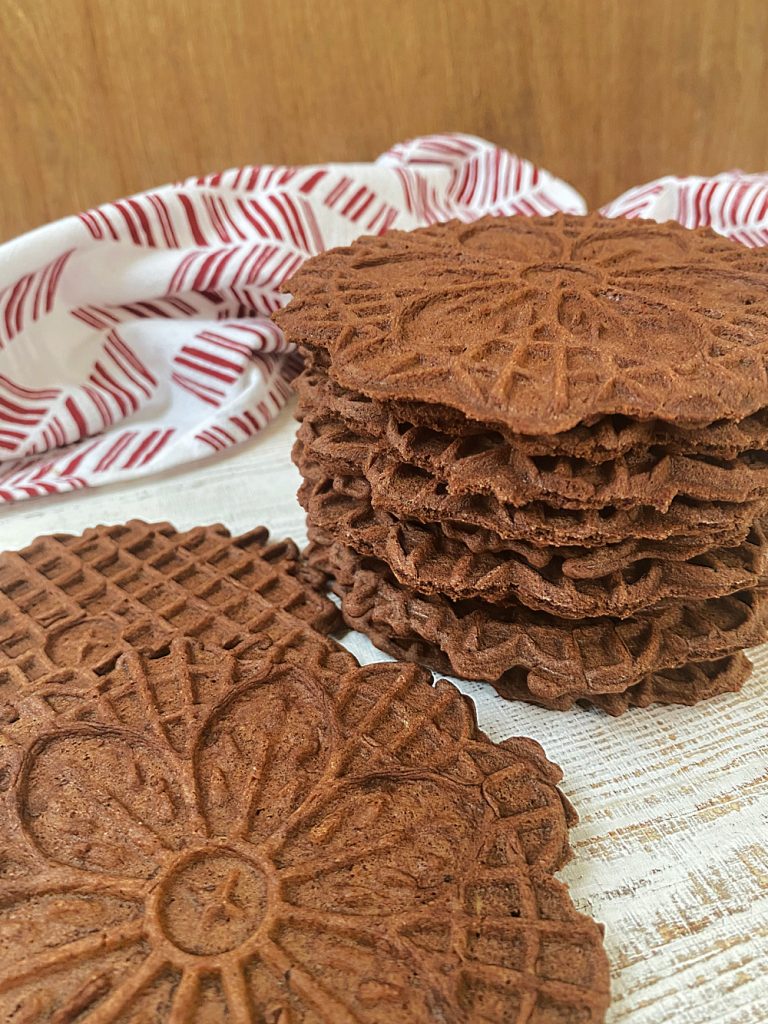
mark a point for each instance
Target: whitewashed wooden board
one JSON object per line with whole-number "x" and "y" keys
{"x": 671, "y": 852}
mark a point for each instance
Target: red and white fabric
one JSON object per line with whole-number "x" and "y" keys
{"x": 733, "y": 203}
{"x": 136, "y": 336}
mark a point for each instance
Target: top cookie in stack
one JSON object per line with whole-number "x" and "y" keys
{"x": 534, "y": 451}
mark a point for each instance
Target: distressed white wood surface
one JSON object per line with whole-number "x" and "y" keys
{"x": 671, "y": 852}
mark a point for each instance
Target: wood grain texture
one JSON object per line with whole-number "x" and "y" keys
{"x": 670, "y": 852}
{"x": 100, "y": 98}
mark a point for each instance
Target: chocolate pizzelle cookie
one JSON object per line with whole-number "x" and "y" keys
{"x": 534, "y": 451}
{"x": 209, "y": 811}
{"x": 543, "y": 324}
{"x": 518, "y": 480}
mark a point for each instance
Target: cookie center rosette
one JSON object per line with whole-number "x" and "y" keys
{"x": 534, "y": 452}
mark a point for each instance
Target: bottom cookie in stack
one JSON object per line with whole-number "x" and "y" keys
{"x": 210, "y": 811}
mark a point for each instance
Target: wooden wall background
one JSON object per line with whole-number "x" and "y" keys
{"x": 100, "y": 98}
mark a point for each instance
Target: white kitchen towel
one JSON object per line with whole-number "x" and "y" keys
{"x": 136, "y": 336}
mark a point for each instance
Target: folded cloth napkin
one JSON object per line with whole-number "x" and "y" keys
{"x": 136, "y": 336}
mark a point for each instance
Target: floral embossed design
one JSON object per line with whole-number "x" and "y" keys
{"x": 192, "y": 838}
{"x": 540, "y": 324}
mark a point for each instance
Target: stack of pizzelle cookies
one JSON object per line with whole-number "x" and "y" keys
{"x": 534, "y": 452}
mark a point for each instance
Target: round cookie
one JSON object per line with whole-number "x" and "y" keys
{"x": 411, "y": 492}
{"x": 281, "y": 841}
{"x": 483, "y": 465}
{"x": 686, "y": 684}
{"x": 543, "y": 323}
{"x": 80, "y": 601}
{"x": 340, "y": 504}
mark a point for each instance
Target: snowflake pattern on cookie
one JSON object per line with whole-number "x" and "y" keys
{"x": 543, "y": 323}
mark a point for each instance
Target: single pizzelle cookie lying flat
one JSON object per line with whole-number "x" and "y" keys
{"x": 543, "y": 323}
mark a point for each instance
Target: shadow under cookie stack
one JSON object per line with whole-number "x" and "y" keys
{"x": 533, "y": 452}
